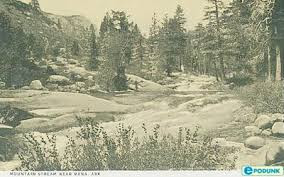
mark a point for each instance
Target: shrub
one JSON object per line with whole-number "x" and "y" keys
{"x": 240, "y": 80}
{"x": 8, "y": 147}
{"x": 96, "y": 150}
{"x": 264, "y": 97}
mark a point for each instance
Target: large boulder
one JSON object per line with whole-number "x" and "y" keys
{"x": 36, "y": 85}
{"x": 94, "y": 89}
{"x": 51, "y": 87}
{"x": 25, "y": 88}
{"x": 77, "y": 78}
{"x": 143, "y": 85}
{"x": 245, "y": 114}
{"x": 254, "y": 142}
{"x": 278, "y": 117}
{"x": 252, "y": 130}
{"x": 57, "y": 79}
{"x": 264, "y": 122}
{"x": 266, "y": 132}
{"x": 224, "y": 143}
{"x": 80, "y": 84}
{"x": 278, "y": 129}
{"x": 60, "y": 61}
{"x": 275, "y": 154}
{"x": 31, "y": 125}
{"x": 90, "y": 78}
{"x": 73, "y": 87}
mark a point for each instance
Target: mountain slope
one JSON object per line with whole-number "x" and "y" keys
{"x": 55, "y": 30}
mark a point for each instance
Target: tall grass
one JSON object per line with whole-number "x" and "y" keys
{"x": 94, "y": 149}
{"x": 264, "y": 97}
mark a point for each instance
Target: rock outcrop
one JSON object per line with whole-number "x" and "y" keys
{"x": 36, "y": 85}
{"x": 254, "y": 142}
{"x": 275, "y": 154}
{"x": 264, "y": 122}
{"x": 252, "y": 130}
{"x": 278, "y": 129}
{"x": 57, "y": 79}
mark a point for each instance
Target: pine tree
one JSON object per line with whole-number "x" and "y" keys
{"x": 106, "y": 25}
{"x": 116, "y": 49}
{"x": 213, "y": 15}
{"x": 35, "y": 48}
{"x": 59, "y": 25}
{"x": 18, "y": 53}
{"x": 138, "y": 60}
{"x": 35, "y": 5}
{"x": 167, "y": 46}
{"x": 180, "y": 35}
{"x": 153, "y": 35}
{"x": 197, "y": 50}
{"x": 94, "y": 60}
{"x": 75, "y": 50}
{"x": 152, "y": 47}
{"x": 237, "y": 42}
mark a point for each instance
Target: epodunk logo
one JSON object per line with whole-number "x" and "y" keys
{"x": 262, "y": 171}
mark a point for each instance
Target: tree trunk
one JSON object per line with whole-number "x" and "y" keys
{"x": 268, "y": 64}
{"x": 180, "y": 64}
{"x": 204, "y": 66}
{"x": 282, "y": 60}
{"x": 220, "y": 55}
{"x": 223, "y": 77}
{"x": 216, "y": 71}
{"x": 278, "y": 63}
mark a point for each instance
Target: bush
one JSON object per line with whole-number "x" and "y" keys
{"x": 264, "y": 97}
{"x": 240, "y": 80}
{"x": 8, "y": 147}
{"x": 96, "y": 150}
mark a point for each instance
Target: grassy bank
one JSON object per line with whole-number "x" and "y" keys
{"x": 99, "y": 151}
{"x": 264, "y": 97}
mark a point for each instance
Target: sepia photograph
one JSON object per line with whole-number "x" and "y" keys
{"x": 141, "y": 88}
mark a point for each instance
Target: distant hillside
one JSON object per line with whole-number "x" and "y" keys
{"x": 57, "y": 30}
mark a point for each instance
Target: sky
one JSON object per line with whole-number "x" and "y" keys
{"x": 140, "y": 11}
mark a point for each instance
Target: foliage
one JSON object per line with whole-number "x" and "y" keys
{"x": 8, "y": 147}
{"x": 238, "y": 38}
{"x": 172, "y": 42}
{"x": 240, "y": 80}
{"x": 35, "y": 4}
{"x": 94, "y": 149}
{"x": 264, "y": 97}
{"x": 94, "y": 60}
{"x": 116, "y": 50}
{"x": 18, "y": 54}
{"x": 75, "y": 50}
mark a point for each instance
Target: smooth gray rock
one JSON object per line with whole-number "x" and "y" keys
{"x": 278, "y": 117}
{"x": 57, "y": 79}
{"x": 266, "y": 132}
{"x": 263, "y": 122}
{"x": 275, "y": 154}
{"x": 36, "y": 85}
{"x": 278, "y": 129}
{"x": 252, "y": 130}
{"x": 254, "y": 142}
